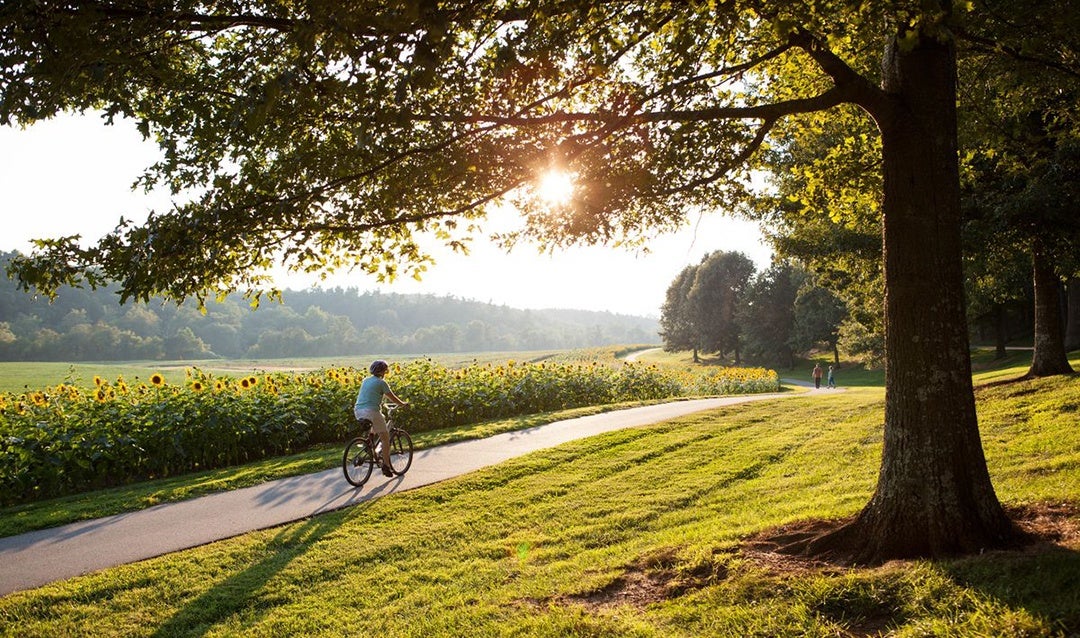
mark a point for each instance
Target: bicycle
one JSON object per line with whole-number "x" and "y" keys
{"x": 364, "y": 453}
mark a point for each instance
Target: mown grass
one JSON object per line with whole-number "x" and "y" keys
{"x": 632, "y": 533}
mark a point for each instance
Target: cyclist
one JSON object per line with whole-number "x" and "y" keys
{"x": 368, "y": 404}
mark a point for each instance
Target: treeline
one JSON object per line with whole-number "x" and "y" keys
{"x": 725, "y": 306}
{"x": 84, "y": 325}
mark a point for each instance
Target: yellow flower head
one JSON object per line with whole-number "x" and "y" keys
{"x": 197, "y": 386}
{"x": 98, "y": 381}
{"x": 101, "y": 395}
{"x": 245, "y": 383}
{"x": 219, "y": 386}
{"x": 157, "y": 379}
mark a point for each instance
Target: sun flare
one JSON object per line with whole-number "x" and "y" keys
{"x": 556, "y": 187}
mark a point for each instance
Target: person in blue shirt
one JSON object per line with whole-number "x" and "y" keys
{"x": 368, "y": 403}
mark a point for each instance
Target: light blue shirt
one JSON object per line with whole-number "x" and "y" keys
{"x": 371, "y": 393}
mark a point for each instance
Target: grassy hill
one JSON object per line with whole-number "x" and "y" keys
{"x": 642, "y": 532}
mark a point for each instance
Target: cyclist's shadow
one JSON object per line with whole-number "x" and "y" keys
{"x": 357, "y": 496}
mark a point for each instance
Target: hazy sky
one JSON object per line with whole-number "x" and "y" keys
{"x": 73, "y": 175}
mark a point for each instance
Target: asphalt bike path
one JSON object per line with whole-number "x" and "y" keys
{"x": 37, "y": 558}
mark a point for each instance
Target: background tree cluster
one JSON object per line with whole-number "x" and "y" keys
{"x": 724, "y": 306}
{"x": 83, "y": 325}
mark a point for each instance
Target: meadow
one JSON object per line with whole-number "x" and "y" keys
{"x": 643, "y": 532}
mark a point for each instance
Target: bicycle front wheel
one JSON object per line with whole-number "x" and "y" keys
{"x": 357, "y": 461}
{"x": 401, "y": 451}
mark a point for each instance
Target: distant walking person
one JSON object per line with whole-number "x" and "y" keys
{"x": 832, "y": 381}
{"x": 368, "y": 404}
{"x": 817, "y": 375}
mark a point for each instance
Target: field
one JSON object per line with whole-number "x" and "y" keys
{"x": 17, "y": 376}
{"x": 642, "y": 532}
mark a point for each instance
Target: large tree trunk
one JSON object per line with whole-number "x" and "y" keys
{"x": 933, "y": 496}
{"x": 1072, "y": 315}
{"x": 1049, "y": 357}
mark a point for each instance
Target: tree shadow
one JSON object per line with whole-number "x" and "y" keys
{"x": 1043, "y": 579}
{"x": 232, "y": 595}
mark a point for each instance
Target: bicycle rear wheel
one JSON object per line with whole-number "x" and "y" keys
{"x": 401, "y": 451}
{"x": 357, "y": 461}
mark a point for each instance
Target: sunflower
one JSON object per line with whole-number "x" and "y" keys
{"x": 157, "y": 379}
{"x": 197, "y": 386}
{"x": 101, "y": 395}
{"x": 98, "y": 381}
{"x": 219, "y": 386}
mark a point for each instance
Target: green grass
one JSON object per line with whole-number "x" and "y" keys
{"x": 632, "y": 533}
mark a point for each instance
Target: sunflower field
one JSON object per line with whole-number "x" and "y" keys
{"x": 70, "y": 438}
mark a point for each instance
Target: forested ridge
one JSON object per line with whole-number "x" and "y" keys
{"x": 85, "y": 325}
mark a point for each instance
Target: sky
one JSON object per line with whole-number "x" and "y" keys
{"x": 73, "y": 175}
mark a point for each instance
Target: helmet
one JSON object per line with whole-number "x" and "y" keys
{"x": 378, "y": 366}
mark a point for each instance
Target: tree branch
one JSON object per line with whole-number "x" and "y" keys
{"x": 857, "y": 88}
{"x": 742, "y": 157}
{"x": 987, "y": 45}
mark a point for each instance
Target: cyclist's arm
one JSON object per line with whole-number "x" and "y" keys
{"x": 393, "y": 397}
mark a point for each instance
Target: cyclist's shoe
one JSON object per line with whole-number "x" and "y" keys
{"x": 386, "y": 471}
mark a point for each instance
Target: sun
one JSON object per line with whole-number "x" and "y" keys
{"x": 556, "y": 187}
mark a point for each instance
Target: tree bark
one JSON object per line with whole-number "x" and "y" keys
{"x": 934, "y": 496}
{"x": 1072, "y": 315}
{"x": 1049, "y": 356}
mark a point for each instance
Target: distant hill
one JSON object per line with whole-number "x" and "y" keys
{"x": 84, "y": 325}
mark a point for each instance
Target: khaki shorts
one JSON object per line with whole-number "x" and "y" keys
{"x": 378, "y": 421}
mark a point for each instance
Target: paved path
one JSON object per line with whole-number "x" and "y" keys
{"x": 37, "y": 558}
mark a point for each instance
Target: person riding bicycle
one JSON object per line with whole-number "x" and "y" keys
{"x": 368, "y": 404}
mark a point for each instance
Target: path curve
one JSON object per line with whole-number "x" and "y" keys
{"x": 37, "y": 558}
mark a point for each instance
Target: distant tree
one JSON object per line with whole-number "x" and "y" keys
{"x": 1031, "y": 206}
{"x": 183, "y": 344}
{"x": 677, "y": 319}
{"x": 719, "y": 283}
{"x": 767, "y": 314}
{"x": 819, "y": 313}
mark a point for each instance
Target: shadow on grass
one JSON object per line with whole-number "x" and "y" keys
{"x": 239, "y": 591}
{"x": 1043, "y": 580}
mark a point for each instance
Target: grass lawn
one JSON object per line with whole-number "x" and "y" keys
{"x": 634, "y": 533}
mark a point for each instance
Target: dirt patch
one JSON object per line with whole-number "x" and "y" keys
{"x": 1049, "y": 523}
{"x": 658, "y": 576}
